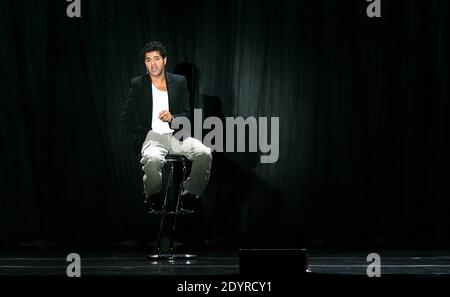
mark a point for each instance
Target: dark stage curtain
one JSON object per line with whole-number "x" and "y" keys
{"x": 362, "y": 103}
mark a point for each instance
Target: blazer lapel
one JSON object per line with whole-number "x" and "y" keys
{"x": 169, "y": 89}
{"x": 148, "y": 99}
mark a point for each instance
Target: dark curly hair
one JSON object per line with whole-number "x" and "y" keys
{"x": 153, "y": 46}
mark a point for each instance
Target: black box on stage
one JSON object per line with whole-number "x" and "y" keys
{"x": 273, "y": 261}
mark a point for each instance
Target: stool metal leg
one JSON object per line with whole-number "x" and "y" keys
{"x": 168, "y": 186}
{"x": 161, "y": 222}
{"x": 158, "y": 240}
{"x": 181, "y": 210}
{"x": 177, "y": 209}
{"x": 176, "y": 212}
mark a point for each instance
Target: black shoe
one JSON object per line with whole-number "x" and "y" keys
{"x": 188, "y": 203}
{"x": 155, "y": 201}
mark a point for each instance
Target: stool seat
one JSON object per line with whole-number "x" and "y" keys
{"x": 176, "y": 158}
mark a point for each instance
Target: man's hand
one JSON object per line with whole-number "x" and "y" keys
{"x": 165, "y": 116}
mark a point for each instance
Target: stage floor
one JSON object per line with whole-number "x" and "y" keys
{"x": 136, "y": 263}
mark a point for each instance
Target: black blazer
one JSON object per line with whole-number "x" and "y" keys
{"x": 137, "y": 111}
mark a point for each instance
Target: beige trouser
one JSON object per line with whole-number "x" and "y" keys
{"x": 154, "y": 149}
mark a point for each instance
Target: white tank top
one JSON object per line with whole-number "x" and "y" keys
{"x": 160, "y": 103}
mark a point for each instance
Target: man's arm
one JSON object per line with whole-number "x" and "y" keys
{"x": 129, "y": 112}
{"x": 128, "y": 117}
{"x": 185, "y": 106}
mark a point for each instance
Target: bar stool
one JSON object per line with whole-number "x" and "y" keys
{"x": 175, "y": 172}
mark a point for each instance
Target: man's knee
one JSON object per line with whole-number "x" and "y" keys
{"x": 208, "y": 153}
{"x": 152, "y": 160}
{"x": 204, "y": 153}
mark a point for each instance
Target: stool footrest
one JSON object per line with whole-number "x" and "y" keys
{"x": 169, "y": 256}
{"x": 165, "y": 212}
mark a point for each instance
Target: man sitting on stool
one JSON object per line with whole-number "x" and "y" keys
{"x": 154, "y": 100}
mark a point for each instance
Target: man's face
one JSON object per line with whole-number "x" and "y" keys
{"x": 155, "y": 63}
